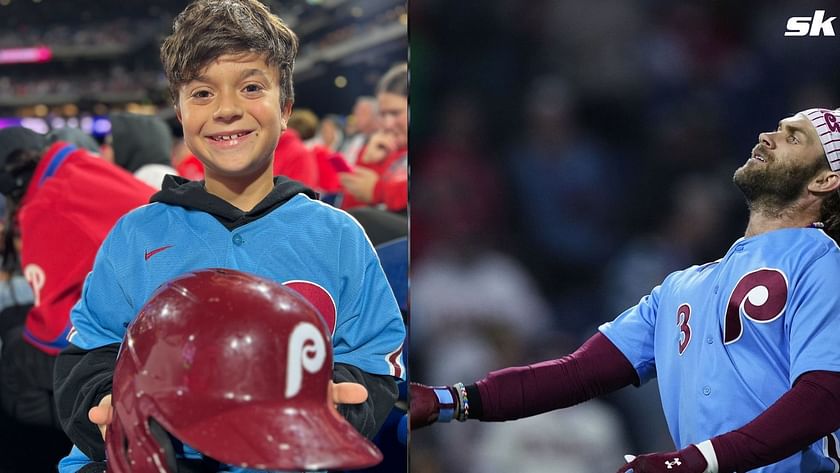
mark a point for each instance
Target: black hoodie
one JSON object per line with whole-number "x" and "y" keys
{"x": 182, "y": 192}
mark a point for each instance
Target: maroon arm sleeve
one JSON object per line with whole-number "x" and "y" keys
{"x": 596, "y": 368}
{"x": 803, "y": 415}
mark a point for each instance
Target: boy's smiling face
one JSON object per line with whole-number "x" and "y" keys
{"x": 233, "y": 116}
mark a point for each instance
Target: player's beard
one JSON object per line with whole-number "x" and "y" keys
{"x": 772, "y": 187}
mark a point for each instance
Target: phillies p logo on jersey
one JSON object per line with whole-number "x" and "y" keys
{"x": 761, "y": 296}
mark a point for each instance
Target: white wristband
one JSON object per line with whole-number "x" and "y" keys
{"x": 708, "y": 451}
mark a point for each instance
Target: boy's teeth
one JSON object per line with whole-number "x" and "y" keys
{"x": 229, "y": 137}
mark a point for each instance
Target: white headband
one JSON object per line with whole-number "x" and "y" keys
{"x": 827, "y": 123}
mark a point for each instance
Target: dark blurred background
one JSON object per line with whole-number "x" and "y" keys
{"x": 566, "y": 156}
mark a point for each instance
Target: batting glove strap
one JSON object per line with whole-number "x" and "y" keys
{"x": 447, "y": 403}
{"x": 708, "y": 451}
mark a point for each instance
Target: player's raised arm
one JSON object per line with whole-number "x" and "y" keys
{"x": 595, "y": 369}
{"x": 805, "y": 414}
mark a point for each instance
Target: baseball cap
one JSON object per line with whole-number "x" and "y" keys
{"x": 12, "y": 182}
{"x": 16, "y": 138}
{"x": 827, "y": 124}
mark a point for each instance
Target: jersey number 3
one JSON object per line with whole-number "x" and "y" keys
{"x": 683, "y": 314}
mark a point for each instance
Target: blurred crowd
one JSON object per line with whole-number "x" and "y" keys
{"x": 567, "y": 156}
{"x": 118, "y": 32}
{"x": 70, "y": 87}
{"x": 141, "y": 79}
{"x": 358, "y": 29}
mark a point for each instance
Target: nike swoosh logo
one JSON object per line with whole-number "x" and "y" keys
{"x": 149, "y": 254}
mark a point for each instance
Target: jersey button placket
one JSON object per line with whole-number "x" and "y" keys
{"x": 238, "y": 240}
{"x": 707, "y": 390}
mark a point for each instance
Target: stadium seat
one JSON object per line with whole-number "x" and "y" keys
{"x": 394, "y": 257}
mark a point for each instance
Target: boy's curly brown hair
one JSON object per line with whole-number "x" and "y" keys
{"x": 208, "y": 29}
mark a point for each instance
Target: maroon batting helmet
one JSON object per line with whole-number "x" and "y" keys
{"x": 236, "y": 367}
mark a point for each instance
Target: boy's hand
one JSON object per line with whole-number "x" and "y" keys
{"x": 347, "y": 393}
{"x": 102, "y": 415}
{"x": 380, "y": 145}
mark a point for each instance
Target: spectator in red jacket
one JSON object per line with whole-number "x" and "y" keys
{"x": 362, "y": 124}
{"x": 63, "y": 200}
{"x": 380, "y": 178}
{"x": 376, "y": 191}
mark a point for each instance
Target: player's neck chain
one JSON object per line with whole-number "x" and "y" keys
{"x": 816, "y": 225}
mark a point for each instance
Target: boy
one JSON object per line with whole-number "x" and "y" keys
{"x": 229, "y": 65}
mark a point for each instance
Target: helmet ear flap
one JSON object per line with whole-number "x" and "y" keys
{"x": 169, "y": 444}
{"x": 117, "y": 448}
{"x": 146, "y": 448}
{"x": 164, "y": 441}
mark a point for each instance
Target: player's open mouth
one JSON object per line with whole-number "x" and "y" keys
{"x": 759, "y": 157}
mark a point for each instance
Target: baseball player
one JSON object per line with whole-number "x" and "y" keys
{"x": 229, "y": 64}
{"x": 744, "y": 349}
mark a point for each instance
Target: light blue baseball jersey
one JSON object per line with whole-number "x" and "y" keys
{"x": 320, "y": 251}
{"x": 311, "y": 247}
{"x": 725, "y": 340}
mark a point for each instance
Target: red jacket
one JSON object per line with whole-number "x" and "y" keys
{"x": 391, "y": 189}
{"x": 294, "y": 160}
{"x": 190, "y": 168}
{"x": 327, "y": 175}
{"x": 71, "y": 203}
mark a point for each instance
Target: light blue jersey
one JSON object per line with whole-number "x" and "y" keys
{"x": 727, "y": 339}
{"x": 313, "y": 248}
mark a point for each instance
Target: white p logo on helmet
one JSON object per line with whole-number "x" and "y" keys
{"x": 307, "y": 351}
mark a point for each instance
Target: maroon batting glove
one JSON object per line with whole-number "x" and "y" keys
{"x": 430, "y": 404}
{"x": 687, "y": 460}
